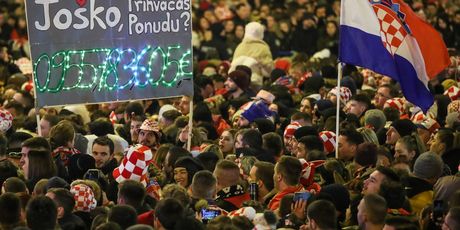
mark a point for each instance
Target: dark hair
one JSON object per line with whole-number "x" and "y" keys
{"x": 265, "y": 171}
{"x": 16, "y": 106}
{"x": 301, "y": 115}
{"x": 41, "y": 213}
{"x": 363, "y": 99}
{"x": 133, "y": 192}
{"x": 101, "y": 127}
{"x": 168, "y": 211}
{"x": 312, "y": 142}
{"x": 123, "y": 215}
{"x": 202, "y": 81}
{"x": 171, "y": 115}
{"x": 252, "y": 138}
{"x": 3, "y": 145}
{"x": 273, "y": 142}
{"x": 52, "y": 119}
{"x": 315, "y": 155}
{"x": 389, "y": 173}
{"x": 7, "y": 170}
{"x": 202, "y": 113}
{"x": 105, "y": 141}
{"x": 391, "y": 113}
{"x": 393, "y": 90}
{"x": 10, "y": 207}
{"x": 63, "y": 198}
{"x": 323, "y": 213}
{"x": 393, "y": 192}
{"x": 203, "y": 185}
{"x": 290, "y": 168}
{"x": 353, "y": 136}
{"x": 134, "y": 108}
{"x": 209, "y": 160}
{"x": 37, "y": 143}
{"x": 175, "y": 153}
{"x": 14, "y": 185}
{"x": 41, "y": 165}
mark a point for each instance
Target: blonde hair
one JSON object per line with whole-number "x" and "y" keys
{"x": 369, "y": 135}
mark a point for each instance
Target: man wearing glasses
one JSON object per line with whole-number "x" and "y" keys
{"x": 384, "y": 92}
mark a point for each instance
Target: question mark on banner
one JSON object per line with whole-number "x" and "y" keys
{"x": 187, "y": 20}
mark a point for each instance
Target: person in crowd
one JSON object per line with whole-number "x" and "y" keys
{"x": 264, "y": 69}
{"x": 372, "y": 210}
{"x": 133, "y": 193}
{"x": 10, "y": 207}
{"x": 321, "y": 215}
{"x": 46, "y": 123}
{"x": 36, "y": 161}
{"x": 184, "y": 170}
{"x": 230, "y": 193}
{"x": 41, "y": 213}
{"x": 149, "y": 134}
{"x": 348, "y": 143}
{"x": 261, "y": 174}
{"x": 103, "y": 153}
{"x": 286, "y": 179}
{"x": 65, "y": 204}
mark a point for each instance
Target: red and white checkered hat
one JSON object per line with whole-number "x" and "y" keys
{"x": 308, "y": 171}
{"x": 248, "y": 212}
{"x": 84, "y": 198}
{"x": 6, "y": 120}
{"x": 290, "y": 130}
{"x": 397, "y": 103}
{"x": 151, "y": 125}
{"x": 454, "y": 106}
{"x": 134, "y": 165}
{"x": 453, "y": 93}
{"x": 345, "y": 94}
{"x": 429, "y": 124}
{"x": 329, "y": 140}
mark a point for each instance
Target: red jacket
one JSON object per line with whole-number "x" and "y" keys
{"x": 275, "y": 202}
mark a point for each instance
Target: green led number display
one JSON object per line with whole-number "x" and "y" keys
{"x": 119, "y": 69}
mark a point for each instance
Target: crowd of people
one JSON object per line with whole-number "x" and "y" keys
{"x": 262, "y": 152}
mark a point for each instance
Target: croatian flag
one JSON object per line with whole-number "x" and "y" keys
{"x": 387, "y": 37}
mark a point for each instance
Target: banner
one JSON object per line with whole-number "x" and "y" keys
{"x": 92, "y": 51}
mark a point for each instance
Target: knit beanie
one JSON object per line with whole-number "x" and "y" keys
{"x": 404, "y": 127}
{"x": 375, "y": 118}
{"x": 305, "y": 131}
{"x": 241, "y": 79}
{"x": 428, "y": 166}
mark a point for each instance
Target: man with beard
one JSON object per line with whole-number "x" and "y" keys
{"x": 102, "y": 152}
{"x": 237, "y": 84}
{"x": 149, "y": 135}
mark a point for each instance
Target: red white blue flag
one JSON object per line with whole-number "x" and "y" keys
{"x": 387, "y": 37}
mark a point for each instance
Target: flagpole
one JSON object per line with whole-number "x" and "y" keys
{"x": 337, "y": 115}
{"x": 190, "y": 125}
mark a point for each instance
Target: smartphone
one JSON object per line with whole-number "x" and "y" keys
{"x": 438, "y": 211}
{"x": 301, "y": 196}
{"x": 92, "y": 174}
{"x": 209, "y": 214}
